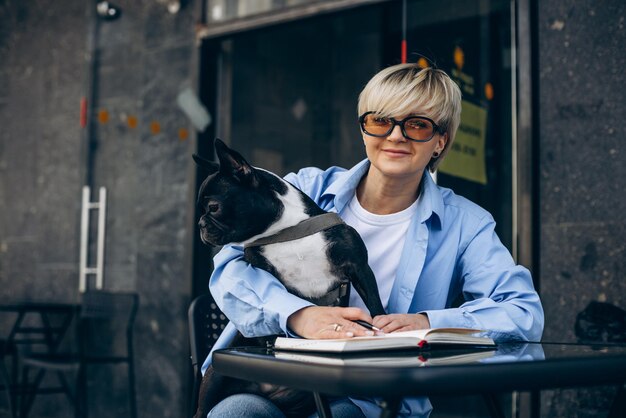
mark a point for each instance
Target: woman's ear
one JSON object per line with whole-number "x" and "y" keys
{"x": 441, "y": 143}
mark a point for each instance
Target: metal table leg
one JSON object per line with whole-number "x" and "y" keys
{"x": 495, "y": 410}
{"x": 618, "y": 408}
{"x": 323, "y": 408}
{"x": 390, "y": 408}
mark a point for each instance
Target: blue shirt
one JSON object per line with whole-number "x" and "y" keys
{"x": 451, "y": 249}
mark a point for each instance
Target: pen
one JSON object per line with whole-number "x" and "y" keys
{"x": 366, "y": 324}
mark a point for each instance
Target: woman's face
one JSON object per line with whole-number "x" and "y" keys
{"x": 395, "y": 156}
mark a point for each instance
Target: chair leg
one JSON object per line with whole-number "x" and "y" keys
{"x": 7, "y": 386}
{"x": 131, "y": 383}
{"x": 18, "y": 388}
{"x": 29, "y": 390}
{"x": 80, "y": 394}
{"x": 25, "y": 395}
{"x": 66, "y": 388}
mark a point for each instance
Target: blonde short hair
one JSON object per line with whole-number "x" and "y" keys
{"x": 405, "y": 89}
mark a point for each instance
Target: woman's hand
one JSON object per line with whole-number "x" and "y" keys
{"x": 324, "y": 322}
{"x": 401, "y": 322}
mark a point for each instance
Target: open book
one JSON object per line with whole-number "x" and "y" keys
{"x": 421, "y": 338}
{"x": 424, "y": 359}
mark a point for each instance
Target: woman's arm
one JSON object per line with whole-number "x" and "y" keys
{"x": 254, "y": 300}
{"x": 500, "y": 297}
{"x": 258, "y": 304}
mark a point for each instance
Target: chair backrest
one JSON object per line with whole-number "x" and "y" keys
{"x": 105, "y": 304}
{"x": 101, "y": 310}
{"x": 206, "y": 323}
{"x": 39, "y": 327}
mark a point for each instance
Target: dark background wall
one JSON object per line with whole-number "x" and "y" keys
{"x": 582, "y": 172}
{"x": 145, "y": 59}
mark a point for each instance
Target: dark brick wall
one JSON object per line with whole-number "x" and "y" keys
{"x": 582, "y": 173}
{"x": 144, "y": 59}
{"x": 41, "y": 79}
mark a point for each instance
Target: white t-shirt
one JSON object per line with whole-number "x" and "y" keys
{"x": 384, "y": 237}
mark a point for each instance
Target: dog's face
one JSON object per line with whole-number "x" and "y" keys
{"x": 234, "y": 200}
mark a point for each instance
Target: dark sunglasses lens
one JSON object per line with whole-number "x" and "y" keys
{"x": 377, "y": 125}
{"x": 419, "y": 129}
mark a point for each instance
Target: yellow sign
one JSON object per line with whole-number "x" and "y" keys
{"x": 466, "y": 158}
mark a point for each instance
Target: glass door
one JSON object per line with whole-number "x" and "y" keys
{"x": 288, "y": 93}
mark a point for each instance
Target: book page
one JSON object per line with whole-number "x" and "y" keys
{"x": 405, "y": 339}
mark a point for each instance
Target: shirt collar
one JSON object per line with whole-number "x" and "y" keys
{"x": 343, "y": 188}
{"x": 431, "y": 200}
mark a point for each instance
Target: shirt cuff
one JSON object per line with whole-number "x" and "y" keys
{"x": 450, "y": 318}
{"x": 289, "y": 305}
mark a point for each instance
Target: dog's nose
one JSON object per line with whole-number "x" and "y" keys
{"x": 201, "y": 223}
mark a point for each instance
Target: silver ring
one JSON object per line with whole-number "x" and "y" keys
{"x": 337, "y": 327}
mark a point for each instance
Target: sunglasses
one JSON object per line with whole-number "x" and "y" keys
{"x": 414, "y": 128}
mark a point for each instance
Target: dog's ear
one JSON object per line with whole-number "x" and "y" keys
{"x": 233, "y": 164}
{"x": 209, "y": 166}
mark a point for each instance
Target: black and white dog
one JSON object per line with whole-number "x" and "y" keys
{"x": 313, "y": 254}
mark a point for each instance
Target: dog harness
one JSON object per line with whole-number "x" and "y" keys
{"x": 305, "y": 228}
{"x": 337, "y": 296}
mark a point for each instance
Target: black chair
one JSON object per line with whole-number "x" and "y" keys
{"x": 103, "y": 315}
{"x": 206, "y": 323}
{"x": 40, "y": 326}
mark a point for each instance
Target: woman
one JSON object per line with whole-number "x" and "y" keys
{"x": 426, "y": 245}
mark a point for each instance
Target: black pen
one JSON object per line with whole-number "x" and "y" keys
{"x": 366, "y": 324}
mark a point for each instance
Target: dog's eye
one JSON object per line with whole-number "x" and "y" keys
{"x": 213, "y": 207}
{"x": 210, "y": 205}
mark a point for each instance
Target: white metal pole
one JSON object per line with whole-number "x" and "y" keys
{"x": 84, "y": 234}
{"x": 101, "y": 237}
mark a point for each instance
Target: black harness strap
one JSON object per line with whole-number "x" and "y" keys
{"x": 305, "y": 228}
{"x": 335, "y": 297}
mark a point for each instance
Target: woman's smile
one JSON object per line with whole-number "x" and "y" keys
{"x": 395, "y": 153}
